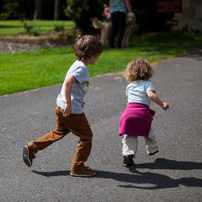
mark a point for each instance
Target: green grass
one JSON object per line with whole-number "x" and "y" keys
{"x": 30, "y": 70}
{"x": 13, "y": 27}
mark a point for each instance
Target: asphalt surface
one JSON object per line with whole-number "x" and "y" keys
{"x": 174, "y": 174}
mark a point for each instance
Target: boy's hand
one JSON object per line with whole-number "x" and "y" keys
{"x": 68, "y": 109}
{"x": 68, "y": 90}
{"x": 165, "y": 106}
{"x": 83, "y": 104}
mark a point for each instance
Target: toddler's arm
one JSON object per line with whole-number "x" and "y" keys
{"x": 68, "y": 90}
{"x": 155, "y": 99}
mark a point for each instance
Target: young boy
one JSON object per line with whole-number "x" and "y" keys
{"x": 70, "y": 115}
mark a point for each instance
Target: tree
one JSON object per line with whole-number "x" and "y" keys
{"x": 38, "y": 9}
{"x": 12, "y": 11}
{"x": 57, "y": 10}
{"x": 82, "y": 12}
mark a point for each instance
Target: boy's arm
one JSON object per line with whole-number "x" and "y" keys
{"x": 68, "y": 90}
{"x": 155, "y": 99}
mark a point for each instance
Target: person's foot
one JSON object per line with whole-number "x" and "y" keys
{"x": 128, "y": 159}
{"x": 150, "y": 154}
{"x": 85, "y": 172}
{"x": 28, "y": 155}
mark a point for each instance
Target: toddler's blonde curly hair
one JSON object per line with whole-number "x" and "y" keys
{"x": 138, "y": 70}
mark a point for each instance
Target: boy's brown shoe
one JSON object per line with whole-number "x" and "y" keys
{"x": 28, "y": 155}
{"x": 85, "y": 172}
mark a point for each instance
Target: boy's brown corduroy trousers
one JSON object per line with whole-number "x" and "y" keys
{"x": 78, "y": 125}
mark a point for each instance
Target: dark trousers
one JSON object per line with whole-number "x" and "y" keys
{"x": 78, "y": 125}
{"x": 118, "y": 25}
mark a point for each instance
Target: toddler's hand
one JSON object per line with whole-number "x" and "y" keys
{"x": 165, "y": 106}
{"x": 68, "y": 110}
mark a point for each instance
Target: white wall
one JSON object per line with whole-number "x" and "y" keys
{"x": 191, "y": 15}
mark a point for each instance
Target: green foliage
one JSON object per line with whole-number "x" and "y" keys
{"x": 147, "y": 17}
{"x": 3, "y": 16}
{"x": 11, "y": 8}
{"x": 28, "y": 27}
{"x": 35, "y": 31}
{"x": 71, "y": 35}
{"x": 24, "y": 9}
{"x": 82, "y": 12}
{"x": 186, "y": 29}
{"x": 58, "y": 27}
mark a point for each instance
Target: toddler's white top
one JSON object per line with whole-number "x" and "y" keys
{"x": 137, "y": 92}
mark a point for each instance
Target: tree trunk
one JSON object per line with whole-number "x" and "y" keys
{"x": 57, "y": 10}
{"x": 38, "y": 9}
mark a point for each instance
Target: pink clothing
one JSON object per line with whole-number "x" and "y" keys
{"x": 136, "y": 120}
{"x": 106, "y": 11}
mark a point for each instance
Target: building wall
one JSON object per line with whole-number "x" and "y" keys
{"x": 191, "y": 15}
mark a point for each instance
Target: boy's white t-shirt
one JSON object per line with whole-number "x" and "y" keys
{"x": 79, "y": 88}
{"x": 137, "y": 92}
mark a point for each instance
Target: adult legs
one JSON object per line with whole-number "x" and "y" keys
{"x": 122, "y": 25}
{"x": 114, "y": 29}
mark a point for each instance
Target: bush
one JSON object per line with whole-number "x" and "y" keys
{"x": 31, "y": 29}
{"x": 28, "y": 27}
{"x": 35, "y": 31}
{"x": 82, "y": 12}
{"x": 58, "y": 27}
{"x": 71, "y": 35}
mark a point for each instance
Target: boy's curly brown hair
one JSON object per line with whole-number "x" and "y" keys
{"x": 87, "y": 46}
{"x": 138, "y": 70}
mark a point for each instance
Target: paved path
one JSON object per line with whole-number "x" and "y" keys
{"x": 174, "y": 174}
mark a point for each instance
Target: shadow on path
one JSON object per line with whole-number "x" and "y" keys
{"x": 196, "y": 54}
{"x": 153, "y": 181}
{"x": 161, "y": 163}
{"x": 52, "y": 174}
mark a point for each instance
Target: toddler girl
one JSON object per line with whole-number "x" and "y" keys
{"x": 137, "y": 117}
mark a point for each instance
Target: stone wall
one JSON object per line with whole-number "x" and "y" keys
{"x": 191, "y": 15}
{"x": 14, "y": 45}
